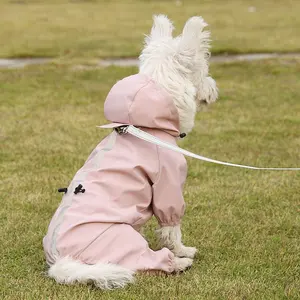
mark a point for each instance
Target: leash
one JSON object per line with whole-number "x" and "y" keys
{"x": 152, "y": 139}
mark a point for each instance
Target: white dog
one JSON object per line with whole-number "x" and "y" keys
{"x": 94, "y": 234}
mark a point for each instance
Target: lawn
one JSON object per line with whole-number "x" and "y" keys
{"x": 246, "y": 224}
{"x": 116, "y": 28}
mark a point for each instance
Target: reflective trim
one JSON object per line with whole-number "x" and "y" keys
{"x": 78, "y": 178}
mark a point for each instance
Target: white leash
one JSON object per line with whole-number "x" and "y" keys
{"x": 152, "y": 139}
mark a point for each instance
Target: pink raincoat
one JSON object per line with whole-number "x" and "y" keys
{"x": 124, "y": 182}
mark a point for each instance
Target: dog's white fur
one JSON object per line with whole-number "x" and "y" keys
{"x": 179, "y": 65}
{"x": 170, "y": 237}
{"x": 105, "y": 276}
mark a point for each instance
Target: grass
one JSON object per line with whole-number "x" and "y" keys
{"x": 246, "y": 224}
{"x": 115, "y": 28}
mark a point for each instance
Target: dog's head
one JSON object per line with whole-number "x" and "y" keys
{"x": 180, "y": 65}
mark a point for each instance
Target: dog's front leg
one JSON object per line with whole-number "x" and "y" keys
{"x": 170, "y": 237}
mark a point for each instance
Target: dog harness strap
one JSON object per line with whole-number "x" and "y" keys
{"x": 152, "y": 139}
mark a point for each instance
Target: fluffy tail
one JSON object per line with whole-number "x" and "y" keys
{"x": 105, "y": 276}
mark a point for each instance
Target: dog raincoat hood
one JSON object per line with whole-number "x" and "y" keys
{"x": 138, "y": 100}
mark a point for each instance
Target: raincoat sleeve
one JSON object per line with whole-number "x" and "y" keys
{"x": 168, "y": 202}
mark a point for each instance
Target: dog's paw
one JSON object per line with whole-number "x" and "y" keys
{"x": 184, "y": 251}
{"x": 182, "y": 263}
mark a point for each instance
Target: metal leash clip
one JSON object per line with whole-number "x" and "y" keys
{"x": 121, "y": 130}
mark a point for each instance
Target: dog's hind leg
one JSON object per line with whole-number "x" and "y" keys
{"x": 122, "y": 245}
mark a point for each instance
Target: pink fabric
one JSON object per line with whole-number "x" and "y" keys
{"x": 126, "y": 181}
{"x": 138, "y": 100}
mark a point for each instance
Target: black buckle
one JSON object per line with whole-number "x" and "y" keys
{"x": 63, "y": 190}
{"x": 79, "y": 189}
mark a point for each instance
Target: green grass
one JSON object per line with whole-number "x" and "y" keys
{"x": 246, "y": 224}
{"x": 116, "y": 28}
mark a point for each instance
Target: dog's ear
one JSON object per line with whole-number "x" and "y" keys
{"x": 193, "y": 39}
{"x": 162, "y": 28}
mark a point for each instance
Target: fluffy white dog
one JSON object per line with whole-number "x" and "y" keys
{"x": 94, "y": 234}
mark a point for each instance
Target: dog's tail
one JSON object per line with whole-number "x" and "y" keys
{"x": 105, "y": 276}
